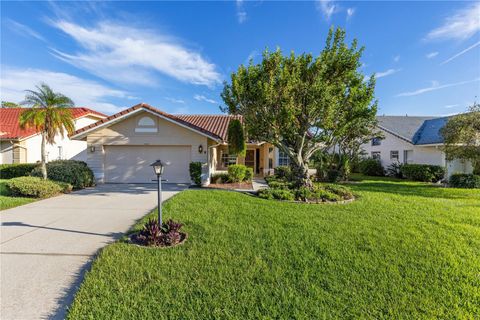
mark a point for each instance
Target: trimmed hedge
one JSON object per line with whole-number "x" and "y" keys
{"x": 371, "y": 167}
{"x": 76, "y": 173}
{"x": 249, "y": 174}
{"x": 463, "y": 180}
{"x": 34, "y": 187}
{"x": 237, "y": 172}
{"x": 9, "y": 171}
{"x": 422, "y": 172}
{"x": 196, "y": 172}
{"x": 279, "y": 194}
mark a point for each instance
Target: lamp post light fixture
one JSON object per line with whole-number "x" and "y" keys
{"x": 159, "y": 167}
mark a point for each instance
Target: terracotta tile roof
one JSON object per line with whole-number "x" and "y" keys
{"x": 212, "y": 125}
{"x": 10, "y": 128}
{"x": 217, "y": 124}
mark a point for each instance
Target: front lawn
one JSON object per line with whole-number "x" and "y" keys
{"x": 402, "y": 250}
{"x": 7, "y": 201}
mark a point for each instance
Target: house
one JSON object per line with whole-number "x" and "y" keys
{"x": 121, "y": 147}
{"x": 23, "y": 145}
{"x": 412, "y": 140}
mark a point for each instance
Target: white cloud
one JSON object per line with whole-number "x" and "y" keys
{"x": 386, "y": 73}
{"x": 241, "y": 13}
{"x": 431, "y": 55}
{"x": 396, "y": 58}
{"x": 175, "y": 100}
{"x": 462, "y": 52}
{"x": 85, "y": 93}
{"x": 200, "y": 97}
{"x": 125, "y": 54}
{"x": 181, "y": 110}
{"x": 449, "y": 106}
{"x": 462, "y": 25}
{"x": 23, "y": 29}
{"x": 326, "y": 7}
{"x": 350, "y": 12}
{"x": 435, "y": 86}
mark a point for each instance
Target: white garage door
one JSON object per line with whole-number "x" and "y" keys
{"x": 131, "y": 164}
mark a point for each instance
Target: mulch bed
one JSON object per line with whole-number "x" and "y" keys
{"x": 232, "y": 186}
{"x": 133, "y": 240}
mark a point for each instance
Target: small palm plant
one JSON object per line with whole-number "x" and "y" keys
{"x": 49, "y": 114}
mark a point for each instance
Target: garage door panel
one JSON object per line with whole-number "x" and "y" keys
{"x": 131, "y": 164}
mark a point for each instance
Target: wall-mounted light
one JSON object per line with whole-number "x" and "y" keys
{"x": 200, "y": 149}
{"x": 92, "y": 148}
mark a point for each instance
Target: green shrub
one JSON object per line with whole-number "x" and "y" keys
{"x": 422, "y": 172}
{"x": 325, "y": 195}
{"x": 463, "y": 180}
{"x": 277, "y": 194}
{"x": 303, "y": 194}
{"x": 333, "y": 175}
{"x": 219, "y": 178}
{"x": 394, "y": 170}
{"x": 196, "y": 172}
{"x": 249, "y": 174}
{"x": 371, "y": 167}
{"x": 9, "y": 171}
{"x": 76, "y": 173}
{"x": 344, "y": 192}
{"x": 283, "y": 172}
{"x": 237, "y": 172}
{"x": 33, "y": 187}
{"x": 280, "y": 185}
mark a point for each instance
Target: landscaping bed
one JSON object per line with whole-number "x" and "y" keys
{"x": 232, "y": 186}
{"x": 402, "y": 250}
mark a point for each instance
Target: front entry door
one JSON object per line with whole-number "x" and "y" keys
{"x": 250, "y": 159}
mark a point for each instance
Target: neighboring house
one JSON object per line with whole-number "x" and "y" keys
{"x": 412, "y": 140}
{"x": 24, "y": 145}
{"x": 122, "y": 147}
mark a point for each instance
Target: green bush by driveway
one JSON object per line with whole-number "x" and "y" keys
{"x": 402, "y": 250}
{"x": 9, "y": 171}
{"x": 7, "y": 201}
{"x": 35, "y": 187}
{"x": 76, "y": 173}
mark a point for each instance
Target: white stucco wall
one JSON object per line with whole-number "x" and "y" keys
{"x": 6, "y": 152}
{"x": 422, "y": 155}
{"x": 71, "y": 149}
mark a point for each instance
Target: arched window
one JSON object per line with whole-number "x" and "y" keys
{"x": 146, "y": 124}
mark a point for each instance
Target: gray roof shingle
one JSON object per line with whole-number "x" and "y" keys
{"x": 416, "y": 130}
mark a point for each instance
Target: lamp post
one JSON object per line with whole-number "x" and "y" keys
{"x": 158, "y": 167}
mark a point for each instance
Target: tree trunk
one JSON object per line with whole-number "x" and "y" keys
{"x": 301, "y": 176}
{"x": 44, "y": 158}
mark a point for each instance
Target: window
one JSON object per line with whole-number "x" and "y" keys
{"x": 283, "y": 159}
{"x": 228, "y": 159}
{"x": 270, "y": 158}
{"x": 376, "y": 141}
{"x": 394, "y": 155}
{"x": 146, "y": 124}
{"x": 376, "y": 155}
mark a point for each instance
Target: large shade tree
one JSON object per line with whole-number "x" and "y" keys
{"x": 49, "y": 114}
{"x": 461, "y": 134}
{"x": 302, "y": 104}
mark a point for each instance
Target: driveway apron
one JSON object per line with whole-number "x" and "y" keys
{"x": 47, "y": 246}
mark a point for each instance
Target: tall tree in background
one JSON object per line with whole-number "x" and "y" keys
{"x": 49, "y": 114}
{"x": 236, "y": 138}
{"x": 462, "y": 136}
{"x": 302, "y": 104}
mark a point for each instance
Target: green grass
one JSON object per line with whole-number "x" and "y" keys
{"x": 7, "y": 201}
{"x": 403, "y": 250}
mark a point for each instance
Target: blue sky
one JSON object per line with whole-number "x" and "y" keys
{"x": 176, "y": 55}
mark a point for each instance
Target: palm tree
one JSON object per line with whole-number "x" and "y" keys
{"x": 49, "y": 114}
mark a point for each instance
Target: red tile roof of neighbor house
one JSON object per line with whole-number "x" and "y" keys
{"x": 10, "y": 128}
{"x": 212, "y": 125}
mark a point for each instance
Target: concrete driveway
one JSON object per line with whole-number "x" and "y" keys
{"x": 46, "y": 246}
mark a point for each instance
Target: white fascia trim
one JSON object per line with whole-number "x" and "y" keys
{"x": 108, "y": 123}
